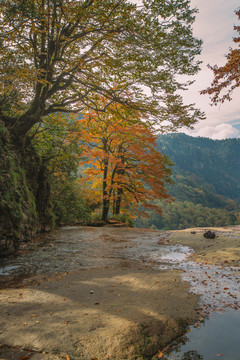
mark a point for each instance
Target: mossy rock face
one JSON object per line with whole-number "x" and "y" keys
{"x": 24, "y": 191}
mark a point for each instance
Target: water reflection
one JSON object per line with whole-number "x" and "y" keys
{"x": 191, "y": 355}
{"x": 217, "y": 338}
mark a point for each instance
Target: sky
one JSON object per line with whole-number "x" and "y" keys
{"x": 214, "y": 25}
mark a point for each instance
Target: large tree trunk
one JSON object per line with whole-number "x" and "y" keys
{"x": 28, "y": 120}
{"x": 105, "y": 210}
{"x": 21, "y": 128}
{"x": 118, "y": 201}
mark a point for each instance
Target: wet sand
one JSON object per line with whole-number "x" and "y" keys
{"x": 100, "y": 294}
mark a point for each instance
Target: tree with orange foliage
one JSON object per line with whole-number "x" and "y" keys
{"x": 124, "y": 164}
{"x": 226, "y": 77}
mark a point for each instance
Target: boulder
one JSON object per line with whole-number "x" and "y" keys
{"x": 209, "y": 234}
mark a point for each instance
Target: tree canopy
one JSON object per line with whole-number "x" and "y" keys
{"x": 58, "y": 55}
{"x": 226, "y": 77}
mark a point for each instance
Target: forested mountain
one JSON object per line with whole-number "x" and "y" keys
{"x": 215, "y": 163}
{"x": 206, "y": 185}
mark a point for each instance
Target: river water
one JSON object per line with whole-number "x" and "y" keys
{"x": 216, "y": 333}
{"x": 217, "y": 338}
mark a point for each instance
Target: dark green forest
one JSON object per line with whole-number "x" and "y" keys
{"x": 206, "y": 188}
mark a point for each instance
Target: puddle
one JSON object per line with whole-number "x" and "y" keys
{"x": 174, "y": 253}
{"x": 217, "y": 338}
{"x": 8, "y": 269}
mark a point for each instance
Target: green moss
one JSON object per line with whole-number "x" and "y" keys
{"x": 3, "y": 130}
{"x": 18, "y": 202}
{"x": 19, "y": 169}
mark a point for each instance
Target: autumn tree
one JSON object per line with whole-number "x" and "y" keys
{"x": 123, "y": 163}
{"x": 226, "y": 77}
{"x": 56, "y": 55}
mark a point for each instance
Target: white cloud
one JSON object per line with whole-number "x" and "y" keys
{"x": 216, "y": 132}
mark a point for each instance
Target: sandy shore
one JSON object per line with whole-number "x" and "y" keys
{"x": 224, "y": 249}
{"x": 127, "y": 309}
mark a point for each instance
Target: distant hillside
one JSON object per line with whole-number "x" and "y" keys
{"x": 207, "y": 182}
{"x": 214, "y": 165}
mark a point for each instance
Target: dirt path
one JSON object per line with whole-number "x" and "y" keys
{"x": 98, "y": 293}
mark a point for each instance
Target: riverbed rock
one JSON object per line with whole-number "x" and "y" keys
{"x": 209, "y": 234}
